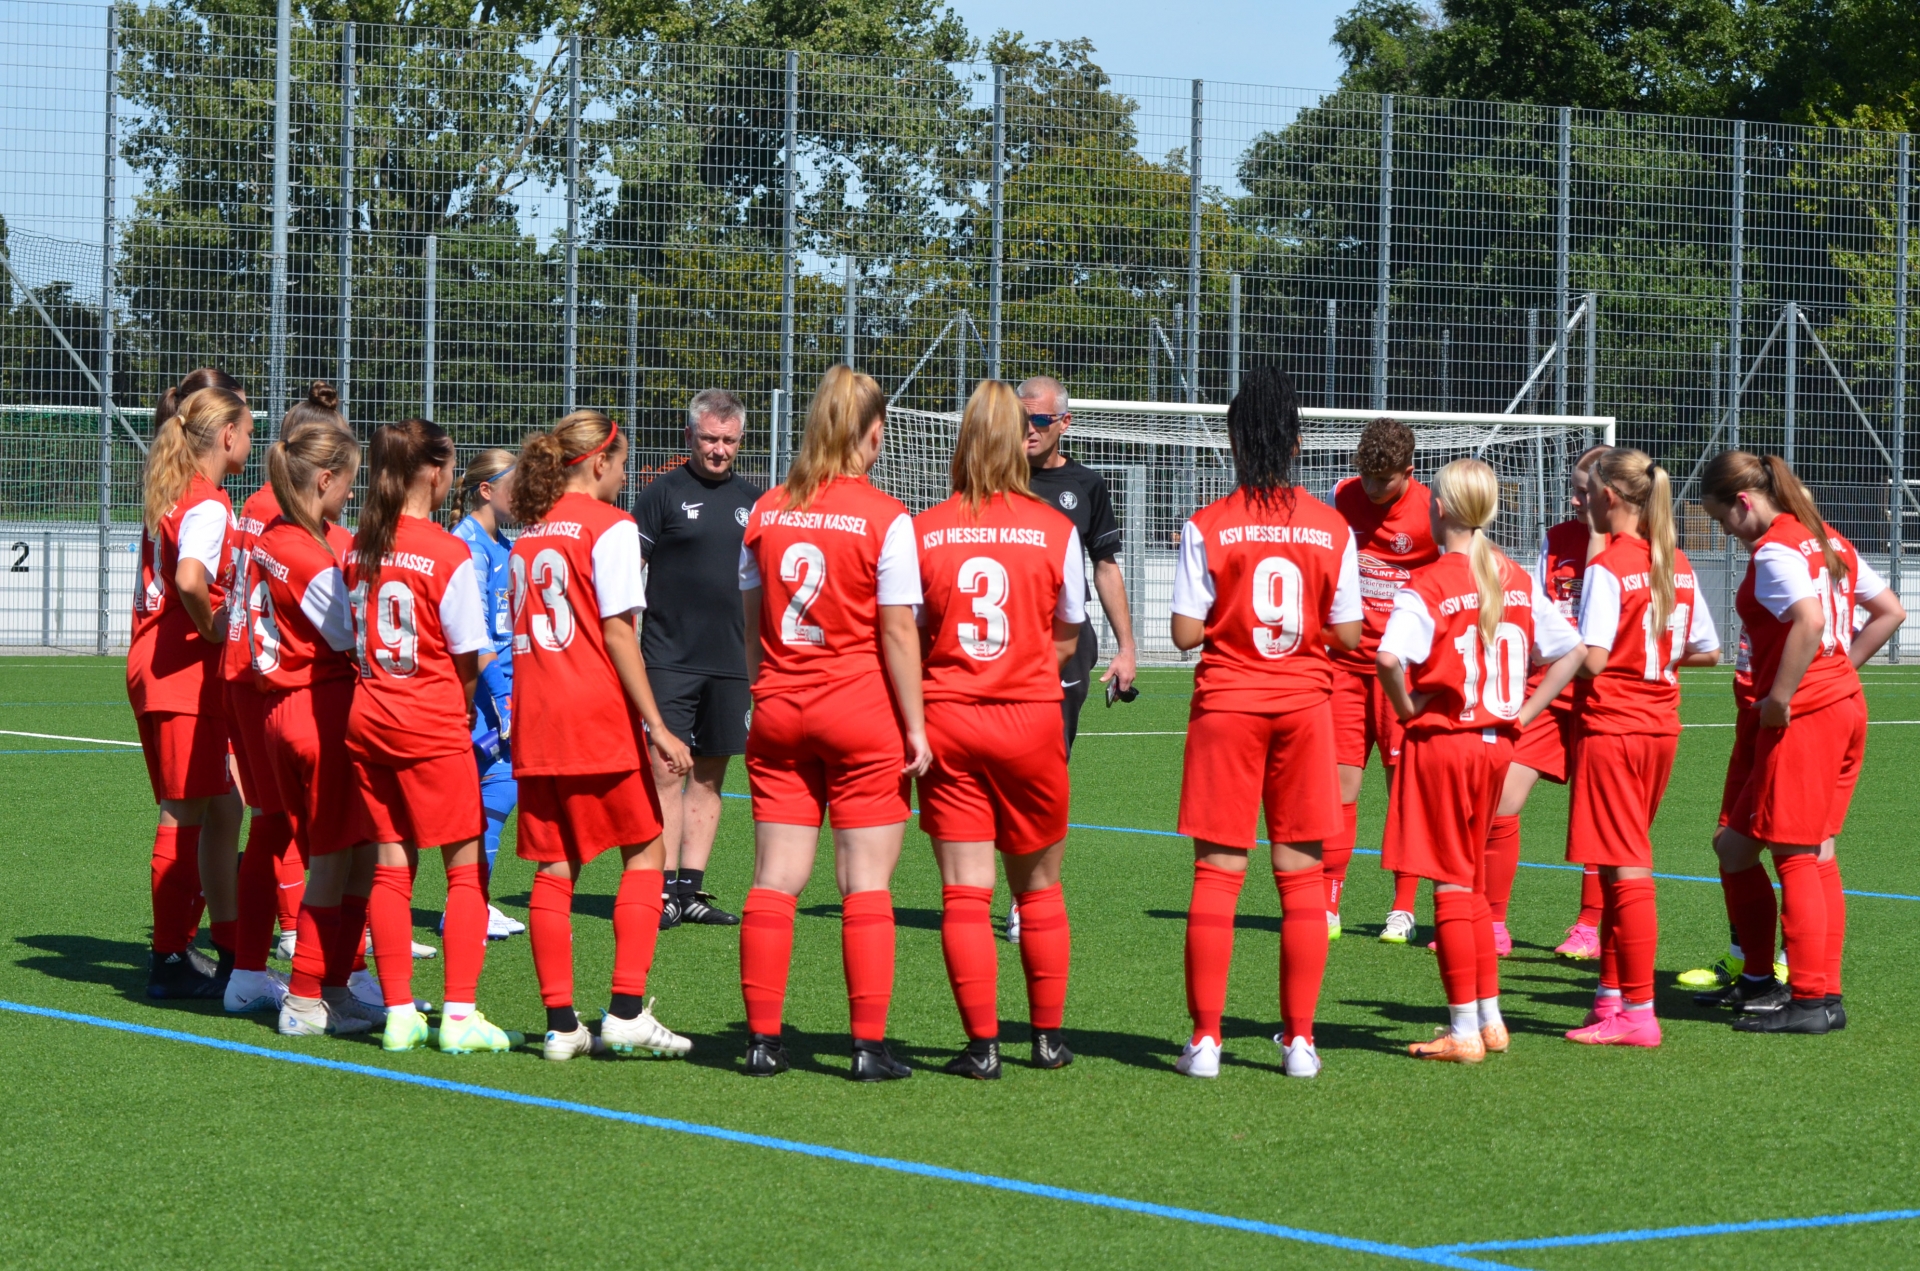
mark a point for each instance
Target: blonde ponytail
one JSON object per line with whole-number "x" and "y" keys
{"x": 180, "y": 442}
{"x": 1470, "y": 494}
{"x": 844, "y": 407}
{"x": 1644, "y": 484}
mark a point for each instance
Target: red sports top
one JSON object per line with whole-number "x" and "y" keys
{"x": 1562, "y": 572}
{"x": 411, "y": 704}
{"x": 825, "y": 571}
{"x": 1265, "y": 577}
{"x": 169, "y": 667}
{"x": 256, "y": 514}
{"x": 1788, "y": 566}
{"x": 302, "y": 620}
{"x": 994, "y": 584}
{"x": 1434, "y": 631}
{"x": 1637, "y": 691}
{"x": 576, "y": 566}
{"x": 1392, "y": 542}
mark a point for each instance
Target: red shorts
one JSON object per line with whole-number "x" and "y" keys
{"x": 1446, "y": 789}
{"x": 999, "y": 775}
{"x": 186, "y": 754}
{"x": 247, "y": 726}
{"x": 429, "y": 802}
{"x": 834, "y": 744}
{"x": 1546, "y": 745}
{"x": 1746, "y": 728}
{"x": 1618, "y": 780}
{"x": 1803, "y": 776}
{"x": 577, "y": 816}
{"x": 306, "y": 745}
{"x": 1237, "y": 762}
{"x": 1363, "y": 719}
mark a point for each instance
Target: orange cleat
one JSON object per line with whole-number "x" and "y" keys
{"x": 1495, "y": 1038}
{"x": 1447, "y": 1048}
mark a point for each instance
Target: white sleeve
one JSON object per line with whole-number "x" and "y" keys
{"x": 1193, "y": 594}
{"x": 203, "y": 535}
{"x": 1409, "y": 633}
{"x": 1346, "y": 595}
{"x": 1701, "y": 634}
{"x": 1071, "y": 608}
{"x": 749, "y": 569}
{"x": 1599, "y": 607}
{"x": 1540, "y": 565}
{"x": 1866, "y": 582}
{"x": 1780, "y": 578}
{"x": 616, "y": 569}
{"x": 899, "y": 570}
{"x": 1553, "y": 636}
{"x": 463, "y": 619}
{"x": 328, "y": 608}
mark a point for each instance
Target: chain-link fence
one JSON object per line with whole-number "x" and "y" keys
{"x": 488, "y": 226}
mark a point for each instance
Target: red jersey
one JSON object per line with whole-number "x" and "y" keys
{"x": 1562, "y": 572}
{"x": 1788, "y": 566}
{"x": 411, "y": 703}
{"x": 1472, "y": 683}
{"x": 1637, "y": 691}
{"x": 256, "y": 514}
{"x": 1265, "y": 576}
{"x": 825, "y": 571}
{"x": 994, "y": 584}
{"x": 301, "y": 618}
{"x": 578, "y": 565}
{"x": 169, "y": 667}
{"x": 1392, "y": 542}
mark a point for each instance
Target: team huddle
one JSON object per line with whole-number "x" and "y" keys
{"x": 400, "y": 687}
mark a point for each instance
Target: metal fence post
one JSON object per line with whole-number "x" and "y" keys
{"x": 1590, "y": 404}
{"x": 1384, "y": 255}
{"x": 1897, "y": 539}
{"x": 110, "y": 157}
{"x": 852, "y": 298}
{"x": 1446, "y": 368}
{"x": 1791, "y": 388}
{"x": 996, "y": 277}
{"x": 1533, "y": 349}
{"x": 960, "y": 361}
{"x": 1327, "y": 373}
{"x": 46, "y": 586}
{"x": 571, "y": 302}
{"x": 1193, "y": 247}
{"x": 1738, "y": 277}
{"x": 633, "y": 389}
{"x": 1233, "y": 335}
{"x": 344, "y": 358}
{"x": 1562, "y": 236}
{"x": 790, "y": 191}
{"x": 277, "y": 280}
{"x": 431, "y": 270}
{"x": 1153, "y": 360}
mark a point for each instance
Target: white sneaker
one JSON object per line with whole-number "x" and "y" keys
{"x": 283, "y": 947}
{"x": 1399, "y": 928}
{"x": 643, "y": 1034}
{"x": 1013, "y": 924}
{"x": 1199, "y": 1059}
{"x": 499, "y": 926}
{"x": 316, "y": 1017}
{"x": 249, "y": 991}
{"x": 366, "y": 990}
{"x": 1302, "y": 1059}
{"x": 561, "y": 1047}
{"x": 424, "y": 950}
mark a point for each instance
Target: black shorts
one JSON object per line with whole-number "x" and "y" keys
{"x": 1076, "y": 680}
{"x": 708, "y": 712}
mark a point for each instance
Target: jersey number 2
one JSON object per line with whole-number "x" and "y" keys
{"x": 805, "y": 566}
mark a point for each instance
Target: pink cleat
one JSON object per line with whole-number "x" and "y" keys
{"x": 1604, "y": 1008}
{"x": 1502, "y": 942}
{"x": 1624, "y": 1028}
{"x": 1582, "y": 943}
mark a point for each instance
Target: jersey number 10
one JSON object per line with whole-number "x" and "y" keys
{"x": 1504, "y": 691}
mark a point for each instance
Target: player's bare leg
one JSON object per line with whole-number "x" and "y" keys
{"x": 690, "y": 817}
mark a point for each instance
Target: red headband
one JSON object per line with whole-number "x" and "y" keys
{"x": 612, "y": 431}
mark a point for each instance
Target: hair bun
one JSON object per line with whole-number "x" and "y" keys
{"x": 324, "y": 395}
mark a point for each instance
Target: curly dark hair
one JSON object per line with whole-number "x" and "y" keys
{"x": 1263, "y": 426}
{"x": 1386, "y": 448}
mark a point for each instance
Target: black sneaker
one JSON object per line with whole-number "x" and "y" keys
{"x": 1799, "y": 1015}
{"x": 872, "y": 1061}
{"x": 1836, "y": 1013}
{"x": 669, "y": 912}
{"x": 1050, "y": 1049}
{"x": 980, "y": 1061}
{"x": 699, "y": 908}
{"x": 766, "y": 1055}
{"x": 175, "y": 978}
{"x": 1753, "y": 996}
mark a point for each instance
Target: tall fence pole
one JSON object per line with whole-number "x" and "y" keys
{"x": 1791, "y": 389}
{"x": 1384, "y": 265}
{"x": 431, "y": 270}
{"x": 110, "y": 155}
{"x": 1562, "y": 241}
{"x": 790, "y": 191}
{"x": 1233, "y": 335}
{"x": 1332, "y": 338}
{"x": 851, "y": 295}
{"x": 572, "y": 296}
{"x": 1897, "y": 538}
{"x": 344, "y": 359}
{"x": 960, "y": 361}
{"x": 996, "y": 278}
{"x": 1590, "y": 403}
{"x": 1734, "y": 358}
{"x": 633, "y": 388}
{"x": 277, "y": 273}
{"x": 1193, "y": 245}
{"x": 1446, "y": 368}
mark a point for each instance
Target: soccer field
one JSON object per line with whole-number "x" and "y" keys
{"x": 193, "y": 1142}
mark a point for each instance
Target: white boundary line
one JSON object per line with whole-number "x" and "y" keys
{"x": 104, "y": 741}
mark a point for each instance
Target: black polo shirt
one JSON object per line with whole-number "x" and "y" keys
{"x": 1081, "y": 493}
{"x": 690, "y": 532}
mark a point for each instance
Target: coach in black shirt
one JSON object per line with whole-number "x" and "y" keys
{"x": 1081, "y": 493}
{"x": 691, "y": 522}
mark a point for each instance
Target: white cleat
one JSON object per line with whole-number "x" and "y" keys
{"x": 1302, "y": 1059}
{"x": 642, "y": 1035}
{"x": 1013, "y": 924}
{"x": 560, "y": 1047}
{"x": 249, "y": 991}
{"x": 316, "y": 1017}
{"x": 283, "y": 945}
{"x": 499, "y": 926}
{"x": 366, "y": 991}
{"x": 424, "y": 950}
{"x": 1399, "y": 928}
{"x": 1199, "y": 1059}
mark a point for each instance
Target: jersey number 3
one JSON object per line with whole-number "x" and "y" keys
{"x": 983, "y": 580}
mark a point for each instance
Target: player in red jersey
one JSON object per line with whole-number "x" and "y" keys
{"x": 1005, "y": 597}
{"x": 1641, "y": 616}
{"x": 829, "y": 579}
{"x": 1454, "y": 661}
{"x": 173, "y": 678}
{"x": 1808, "y": 736}
{"x": 1387, "y": 510}
{"x": 418, "y": 630}
{"x": 301, "y": 641}
{"x": 1267, "y": 580}
{"x": 580, "y": 701}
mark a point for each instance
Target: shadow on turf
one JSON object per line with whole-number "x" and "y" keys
{"x": 120, "y": 965}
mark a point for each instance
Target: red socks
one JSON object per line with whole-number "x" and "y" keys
{"x": 354, "y": 932}
{"x": 1592, "y": 898}
{"x": 1750, "y": 901}
{"x": 766, "y": 952}
{"x": 267, "y": 837}
{"x": 1503, "y": 862}
{"x": 1406, "y": 890}
{"x": 1216, "y": 895}
{"x": 464, "y": 935}
{"x": 550, "y": 931}
{"x": 1046, "y": 948}
{"x": 1336, "y": 853}
{"x": 866, "y": 946}
{"x": 318, "y": 928}
{"x": 1804, "y": 914}
{"x": 1486, "y": 956}
{"x": 1303, "y": 949}
{"x": 391, "y": 910}
{"x": 636, "y": 929}
{"x": 175, "y": 886}
{"x": 1609, "y": 947}
{"x": 1453, "y": 932}
{"x": 1633, "y": 923}
{"x": 973, "y": 965}
{"x": 1836, "y": 921}
{"x": 290, "y": 868}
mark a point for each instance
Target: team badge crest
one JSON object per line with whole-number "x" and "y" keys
{"x": 740, "y": 515}
{"x": 1068, "y": 501}
{"x": 1402, "y": 544}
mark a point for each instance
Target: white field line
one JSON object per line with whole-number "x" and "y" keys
{"x": 104, "y": 741}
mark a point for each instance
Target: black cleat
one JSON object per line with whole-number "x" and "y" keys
{"x": 766, "y": 1055}
{"x": 872, "y": 1061}
{"x": 699, "y": 909}
{"x": 669, "y": 912}
{"x": 1836, "y": 1013}
{"x": 1050, "y": 1049}
{"x": 175, "y": 978}
{"x": 980, "y": 1060}
{"x": 1753, "y": 996}
{"x": 205, "y": 965}
{"x": 1799, "y": 1015}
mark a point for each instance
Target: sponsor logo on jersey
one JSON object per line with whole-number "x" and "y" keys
{"x": 1069, "y": 500}
{"x": 740, "y": 515}
{"x": 692, "y": 510}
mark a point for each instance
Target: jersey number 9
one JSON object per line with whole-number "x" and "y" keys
{"x": 1278, "y": 606}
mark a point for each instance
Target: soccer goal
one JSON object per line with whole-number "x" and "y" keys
{"x": 1164, "y": 460}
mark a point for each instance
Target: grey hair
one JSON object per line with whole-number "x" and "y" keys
{"x": 1040, "y": 385}
{"x": 715, "y": 403}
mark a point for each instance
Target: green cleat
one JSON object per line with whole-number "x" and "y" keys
{"x": 1717, "y": 976}
{"x": 1333, "y": 926}
{"x": 406, "y": 1029}
{"x": 471, "y": 1033}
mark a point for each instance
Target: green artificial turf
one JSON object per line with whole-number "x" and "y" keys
{"x": 124, "y": 1150}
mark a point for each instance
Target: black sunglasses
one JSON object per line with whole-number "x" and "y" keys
{"x": 1044, "y": 421}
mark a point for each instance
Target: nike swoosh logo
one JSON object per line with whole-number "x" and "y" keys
{"x": 1070, "y": 683}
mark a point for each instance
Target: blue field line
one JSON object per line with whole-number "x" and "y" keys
{"x": 1097, "y": 1200}
{"x": 1682, "y": 1233}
